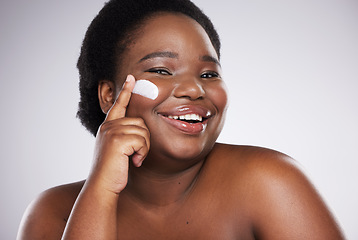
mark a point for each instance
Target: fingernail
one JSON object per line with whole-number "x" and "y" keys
{"x": 128, "y": 78}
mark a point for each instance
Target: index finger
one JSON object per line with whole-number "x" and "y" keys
{"x": 119, "y": 107}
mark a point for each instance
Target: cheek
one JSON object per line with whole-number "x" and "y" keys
{"x": 138, "y": 105}
{"x": 165, "y": 88}
{"x": 219, "y": 96}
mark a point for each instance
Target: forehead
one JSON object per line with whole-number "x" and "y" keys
{"x": 172, "y": 32}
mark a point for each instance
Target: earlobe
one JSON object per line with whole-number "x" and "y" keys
{"x": 106, "y": 95}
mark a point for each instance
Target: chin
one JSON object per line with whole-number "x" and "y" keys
{"x": 186, "y": 150}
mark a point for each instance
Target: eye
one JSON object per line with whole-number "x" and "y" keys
{"x": 210, "y": 75}
{"x": 161, "y": 71}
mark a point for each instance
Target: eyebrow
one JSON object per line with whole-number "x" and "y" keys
{"x": 167, "y": 54}
{"x": 159, "y": 54}
{"x": 207, "y": 58}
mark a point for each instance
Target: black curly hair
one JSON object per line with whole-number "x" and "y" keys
{"x": 109, "y": 34}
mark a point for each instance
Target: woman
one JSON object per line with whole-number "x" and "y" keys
{"x": 158, "y": 172}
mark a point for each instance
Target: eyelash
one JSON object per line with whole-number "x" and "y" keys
{"x": 162, "y": 71}
{"x": 159, "y": 71}
{"x": 209, "y": 75}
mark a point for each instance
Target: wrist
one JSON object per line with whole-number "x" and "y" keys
{"x": 100, "y": 192}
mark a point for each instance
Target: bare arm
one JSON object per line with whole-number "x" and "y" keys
{"x": 94, "y": 214}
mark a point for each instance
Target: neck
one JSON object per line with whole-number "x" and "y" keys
{"x": 160, "y": 188}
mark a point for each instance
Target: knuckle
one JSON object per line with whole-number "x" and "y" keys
{"x": 105, "y": 127}
{"x": 109, "y": 130}
{"x": 102, "y": 128}
{"x": 141, "y": 121}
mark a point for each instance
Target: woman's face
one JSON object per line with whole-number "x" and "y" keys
{"x": 174, "y": 52}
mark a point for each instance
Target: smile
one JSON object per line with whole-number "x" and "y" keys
{"x": 190, "y": 120}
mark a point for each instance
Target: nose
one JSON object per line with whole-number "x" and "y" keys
{"x": 189, "y": 87}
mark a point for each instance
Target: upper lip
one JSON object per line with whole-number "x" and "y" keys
{"x": 203, "y": 112}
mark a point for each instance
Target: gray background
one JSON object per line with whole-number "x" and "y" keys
{"x": 291, "y": 68}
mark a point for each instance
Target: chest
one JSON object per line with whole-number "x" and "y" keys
{"x": 199, "y": 218}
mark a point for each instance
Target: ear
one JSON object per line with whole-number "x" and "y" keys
{"x": 106, "y": 95}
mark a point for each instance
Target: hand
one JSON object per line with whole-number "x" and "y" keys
{"x": 117, "y": 139}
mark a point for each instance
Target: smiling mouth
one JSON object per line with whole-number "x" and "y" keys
{"x": 189, "y": 123}
{"x": 189, "y": 118}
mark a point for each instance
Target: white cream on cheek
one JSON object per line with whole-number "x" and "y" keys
{"x": 146, "y": 89}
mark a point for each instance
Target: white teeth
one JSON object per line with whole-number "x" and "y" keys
{"x": 187, "y": 117}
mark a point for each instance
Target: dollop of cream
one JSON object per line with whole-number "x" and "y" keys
{"x": 146, "y": 89}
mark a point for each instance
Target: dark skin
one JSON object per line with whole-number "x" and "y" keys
{"x": 154, "y": 179}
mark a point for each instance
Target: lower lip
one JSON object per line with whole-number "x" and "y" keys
{"x": 189, "y": 128}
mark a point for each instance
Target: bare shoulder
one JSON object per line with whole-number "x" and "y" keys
{"x": 252, "y": 161}
{"x": 275, "y": 188}
{"x": 254, "y": 168}
{"x": 46, "y": 216}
